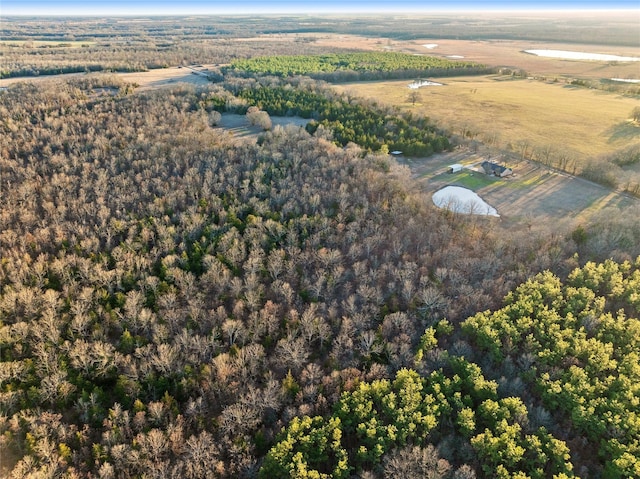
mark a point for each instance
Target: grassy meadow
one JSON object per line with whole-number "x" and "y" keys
{"x": 546, "y": 120}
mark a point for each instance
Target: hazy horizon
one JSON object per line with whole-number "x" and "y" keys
{"x": 200, "y": 7}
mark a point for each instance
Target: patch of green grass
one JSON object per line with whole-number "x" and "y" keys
{"x": 471, "y": 179}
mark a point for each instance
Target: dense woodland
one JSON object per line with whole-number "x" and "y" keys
{"x": 347, "y": 67}
{"x": 176, "y": 302}
{"x": 373, "y": 128}
{"x": 173, "y": 304}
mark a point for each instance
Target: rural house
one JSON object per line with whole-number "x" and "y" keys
{"x": 495, "y": 169}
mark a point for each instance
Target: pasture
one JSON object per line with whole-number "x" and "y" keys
{"x": 546, "y": 121}
{"x": 147, "y": 80}
{"x": 502, "y": 53}
{"x": 510, "y": 53}
{"x": 535, "y": 196}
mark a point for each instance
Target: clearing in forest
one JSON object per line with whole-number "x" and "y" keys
{"x": 535, "y": 196}
{"x": 546, "y": 121}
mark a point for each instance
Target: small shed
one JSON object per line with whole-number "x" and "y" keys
{"x": 455, "y": 168}
{"x": 496, "y": 169}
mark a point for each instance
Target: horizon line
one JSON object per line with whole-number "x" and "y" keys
{"x": 324, "y": 12}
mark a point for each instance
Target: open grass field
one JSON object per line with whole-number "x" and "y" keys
{"x": 238, "y": 130}
{"x": 535, "y": 197}
{"x": 510, "y": 53}
{"x": 503, "y": 53}
{"x": 163, "y": 77}
{"x": 545, "y": 118}
{"x": 157, "y": 78}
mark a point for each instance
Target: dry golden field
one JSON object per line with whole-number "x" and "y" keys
{"x": 507, "y": 53}
{"x": 545, "y": 118}
{"x": 151, "y": 79}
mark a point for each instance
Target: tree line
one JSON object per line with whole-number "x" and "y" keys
{"x": 353, "y": 66}
{"x": 369, "y": 126}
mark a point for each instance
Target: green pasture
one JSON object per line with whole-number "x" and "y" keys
{"x": 469, "y": 179}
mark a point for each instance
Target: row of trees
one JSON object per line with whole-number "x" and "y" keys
{"x": 353, "y": 66}
{"x": 367, "y": 125}
{"x": 609, "y": 169}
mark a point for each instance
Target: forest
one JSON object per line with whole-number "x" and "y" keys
{"x": 180, "y": 302}
{"x": 176, "y": 305}
{"x": 354, "y": 66}
{"x": 349, "y": 122}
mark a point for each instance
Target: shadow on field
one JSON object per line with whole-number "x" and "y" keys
{"x": 551, "y": 197}
{"x": 625, "y": 130}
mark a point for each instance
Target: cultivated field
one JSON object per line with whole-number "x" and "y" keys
{"x": 511, "y": 54}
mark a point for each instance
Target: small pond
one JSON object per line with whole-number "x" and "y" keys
{"x": 462, "y": 200}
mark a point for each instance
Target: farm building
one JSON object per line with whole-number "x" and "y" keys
{"x": 455, "y": 168}
{"x": 496, "y": 170}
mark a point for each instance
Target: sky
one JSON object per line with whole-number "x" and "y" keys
{"x": 189, "y": 7}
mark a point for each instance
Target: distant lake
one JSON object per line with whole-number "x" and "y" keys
{"x": 626, "y": 80}
{"x": 569, "y": 55}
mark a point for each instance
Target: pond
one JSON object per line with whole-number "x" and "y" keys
{"x": 421, "y": 83}
{"x": 462, "y": 200}
{"x": 569, "y": 55}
